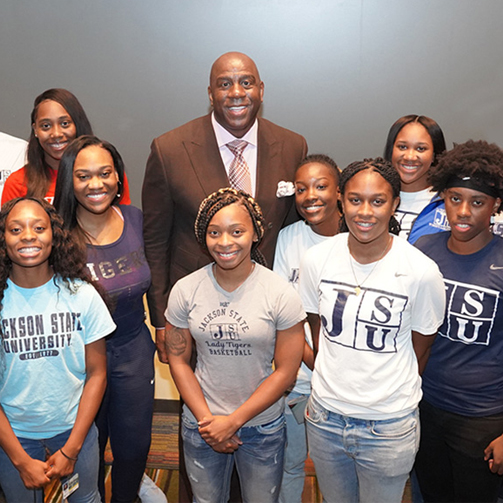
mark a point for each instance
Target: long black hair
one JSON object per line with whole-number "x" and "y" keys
{"x": 433, "y": 129}
{"x": 37, "y": 173}
{"x": 64, "y": 197}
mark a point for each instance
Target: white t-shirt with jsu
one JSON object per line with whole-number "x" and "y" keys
{"x": 366, "y": 366}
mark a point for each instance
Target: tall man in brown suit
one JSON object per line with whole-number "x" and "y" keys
{"x": 194, "y": 160}
{"x": 189, "y": 163}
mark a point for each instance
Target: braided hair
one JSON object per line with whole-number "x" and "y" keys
{"x": 323, "y": 159}
{"x": 386, "y": 170}
{"x": 225, "y": 197}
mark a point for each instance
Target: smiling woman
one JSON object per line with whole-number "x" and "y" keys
{"x": 233, "y": 411}
{"x": 373, "y": 301}
{"x": 413, "y": 145}
{"x": 28, "y": 240}
{"x": 316, "y": 185}
{"x": 55, "y": 374}
{"x": 95, "y": 180}
{"x": 56, "y": 119}
{"x": 90, "y": 178}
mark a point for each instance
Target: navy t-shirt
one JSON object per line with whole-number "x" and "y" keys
{"x": 464, "y": 374}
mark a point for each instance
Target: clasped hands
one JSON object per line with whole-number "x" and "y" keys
{"x": 36, "y": 474}
{"x": 219, "y": 432}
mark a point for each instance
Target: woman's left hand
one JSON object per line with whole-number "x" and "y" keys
{"x": 493, "y": 453}
{"x": 59, "y": 465}
{"x": 229, "y": 446}
{"x": 216, "y": 429}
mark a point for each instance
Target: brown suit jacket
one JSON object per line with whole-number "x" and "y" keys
{"x": 184, "y": 167}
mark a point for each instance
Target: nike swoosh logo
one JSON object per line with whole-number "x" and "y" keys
{"x": 397, "y": 274}
{"x": 495, "y": 267}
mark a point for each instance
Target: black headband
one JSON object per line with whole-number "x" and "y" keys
{"x": 473, "y": 183}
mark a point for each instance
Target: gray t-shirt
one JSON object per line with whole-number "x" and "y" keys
{"x": 235, "y": 334}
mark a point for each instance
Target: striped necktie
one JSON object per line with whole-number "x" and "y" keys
{"x": 239, "y": 174}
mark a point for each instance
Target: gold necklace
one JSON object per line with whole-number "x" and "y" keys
{"x": 358, "y": 286}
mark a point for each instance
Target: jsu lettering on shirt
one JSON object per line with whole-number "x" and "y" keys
{"x": 378, "y": 320}
{"x": 216, "y": 313}
{"x": 471, "y": 313}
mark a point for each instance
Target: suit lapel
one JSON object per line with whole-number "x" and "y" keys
{"x": 205, "y": 158}
{"x": 206, "y": 161}
{"x": 268, "y": 167}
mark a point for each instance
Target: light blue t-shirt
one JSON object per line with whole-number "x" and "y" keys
{"x": 44, "y": 333}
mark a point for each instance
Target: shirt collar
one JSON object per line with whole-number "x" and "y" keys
{"x": 223, "y": 136}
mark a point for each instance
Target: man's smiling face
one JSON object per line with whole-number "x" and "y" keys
{"x": 236, "y": 92}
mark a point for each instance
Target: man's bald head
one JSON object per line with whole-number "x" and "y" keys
{"x": 230, "y": 60}
{"x": 235, "y": 92}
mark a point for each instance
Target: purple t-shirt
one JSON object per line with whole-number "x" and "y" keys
{"x": 122, "y": 269}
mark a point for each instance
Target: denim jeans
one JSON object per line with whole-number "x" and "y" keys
{"x": 86, "y": 466}
{"x": 259, "y": 462}
{"x": 295, "y": 456}
{"x": 359, "y": 460}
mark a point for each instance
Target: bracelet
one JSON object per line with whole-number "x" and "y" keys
{"x": 68, "y": 457}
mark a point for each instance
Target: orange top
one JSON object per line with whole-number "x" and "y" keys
{"x": 15, "y": 187}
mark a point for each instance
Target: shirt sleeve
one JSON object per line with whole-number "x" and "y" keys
{"x": 428, "y": 307}
{"x": 290, "y": 310}
{"x": 158, "y": 218}
{"x": 308, "y": 282}
{"x": 280, "y": 266}
{"x": 14, "y": 186}
{"x": 177, "y": 311}
{"x": 125, "y": 196}
{"x": 97, "y": 321}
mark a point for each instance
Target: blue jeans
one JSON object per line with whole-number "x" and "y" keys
{"x": 295, "y": 456}
{"x": 259, "y": 463}
{"x": 359, "y": 460}
{"x": 86, "y": 466}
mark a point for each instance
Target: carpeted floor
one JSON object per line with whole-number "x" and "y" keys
{"x": 162, "y": 463}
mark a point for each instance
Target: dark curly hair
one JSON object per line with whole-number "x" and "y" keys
{"x": 66, "y": 258}
{"x": 433, "y": 129}
{"x": 225, "y": 197}
{"x": 386, "y": 170}
{"x": 477, "y": 159}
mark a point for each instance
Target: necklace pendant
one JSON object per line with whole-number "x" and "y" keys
{"x": 357, "y": 290}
